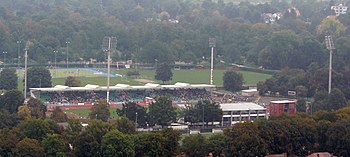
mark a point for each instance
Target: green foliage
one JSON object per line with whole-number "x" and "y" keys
{"x": 8, "y": 120}
{"x": 8, "y": 140}
{"x": 58, "y": 115}
{"x": 72, "y": 82}
{"x": 29, "y": 147}
{"x": 130, "y": 109}
{"x": 194, "y": 145}
{"x": 73, "y": 130}
{"x": 124, "y": 125}
{"x": 38, "y": 77}
{"x": 210, "y": 110}
{"x": 233, "y": 81}
{"x": 37, "y": 108}
{"x": 117, "y": 144}
{"x": 163, "y": 72}
{"x": 54, "y": 146}
{"x": 161, "y": 112}
{"x": 246, "y": 140}
{"x": 8, "y": 79}
{"x": 38, "y": 128}
{"x": 10, "y": 101}
{"x": 100, "y": 111}
{"x": 149, "y": 144}
{"x": 88, "y": 143}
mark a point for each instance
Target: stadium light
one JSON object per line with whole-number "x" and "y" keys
{"x": 18, "y": 51}
{"x": 4, "y": 52}
{"x": 67, "y": 42}
{"x": 330, "y": 47}
{"x": 55, "y": 52}
{"x": 212, "y": 44}
{"x": 108, "y": 44}
{"x": 25, "y": 69}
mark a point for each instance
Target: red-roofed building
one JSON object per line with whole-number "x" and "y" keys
{"x": 321, "y": 154}
{"x": 276, "y": 108}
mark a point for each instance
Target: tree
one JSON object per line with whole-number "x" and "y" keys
{"x": 54, "y": 146}
{"x": 88, "y": 143}
{"x": 8, "y": 140}
{"x": 171, "y": 144}
{"x": 130, "y": 109}
{"x": 161, "y": 112}
{"x": 72, "y": 82}
{"x": 38, "y": 128}
{"x": 163, "y": 72}
{"x": 336, "y": 99}
{"x": 124, "y": 125}
{"x": 245, "y": 140}
{"x": 149, "y": 144}
{"x": 218, "y": 144}
{"x": 11, "y": 100}
{"x": 233, "y": 81}
{"x": 331, "y": 26}
{"x": 58, "y": 115}
{"x": 29, "y": 147}
{"x": 338, "y": 140}
{"x": 203, "y": 111}
{"x": 8, "y": 79}
{"x": 73, "y": 130}
{"x": 100, "y": 111}
{"x": 37, "y": 108}
{"x": 24, "y": 112}
{"x": 8, "y": 120}
{"x": 117, "y": 144}
{"x": 38, "y": 77}
{"x": 194, "y": 145}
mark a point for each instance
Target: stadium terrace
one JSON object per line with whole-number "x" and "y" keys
{"x": 61, "y": 95}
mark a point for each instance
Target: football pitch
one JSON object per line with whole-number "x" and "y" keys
{"x": 98, "y": 77}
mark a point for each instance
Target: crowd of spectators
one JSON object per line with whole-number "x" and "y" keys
{"x": 176, "y": 95}
{"x": 75, "y": 97}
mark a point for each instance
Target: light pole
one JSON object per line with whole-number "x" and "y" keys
{"x": 55, "y": 52}
{"x": 108, "y": 44}
{"x": 4, "y": 52}
{"x": 212, "y": 44}
{"x": 67, "y": 42}
{"x": 25, "y": 70}
{"x": 136, "y": 122}
{"x": 18, "y": 51}
{"x": 330, "y": 47}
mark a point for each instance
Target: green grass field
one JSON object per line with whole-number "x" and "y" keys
{"x": 188, "y": 76}
{"x": 201, "y": 76}
{"x": 85, "y": 112}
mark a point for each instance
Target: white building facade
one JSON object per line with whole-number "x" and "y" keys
{"x": 240, "y": 112}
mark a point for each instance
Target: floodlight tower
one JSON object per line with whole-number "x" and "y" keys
{"x": 4, "y": 52}
{"x": 25, "y": 69}
{"x": 67, "y": 42}
{"x": 18, "y": 55}
{"x": 212, "y": 44}
{"x": 330, "y": 47}
{"x": 108, "y": 44}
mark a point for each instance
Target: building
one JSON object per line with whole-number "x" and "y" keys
{"x": 239, "y": 112}
{"x": 278, "y": 107}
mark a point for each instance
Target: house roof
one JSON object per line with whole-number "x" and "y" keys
{"x": 240, "y": 106}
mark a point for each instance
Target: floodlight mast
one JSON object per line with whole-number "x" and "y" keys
{"x": 108, "y": 44}
{"x": 25, "y": 70}
{"x": 212, "y": 44}
{"x": 330, "y": 47}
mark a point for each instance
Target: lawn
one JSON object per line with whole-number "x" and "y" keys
{"x": 201, "y": 76}
{"x": 85, "y": 112}
{"x": 188, "y": 76}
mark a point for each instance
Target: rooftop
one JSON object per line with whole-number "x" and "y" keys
{"x": 240, "y": 106}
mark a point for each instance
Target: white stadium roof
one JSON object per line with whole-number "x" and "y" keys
{"x": 240, "y": 106}
{"x": 91, "y": 87}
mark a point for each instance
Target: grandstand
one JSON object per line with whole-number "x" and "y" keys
{"x": 84, "y": 97}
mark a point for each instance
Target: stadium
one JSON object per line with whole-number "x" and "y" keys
{"x": 85, "y": 97}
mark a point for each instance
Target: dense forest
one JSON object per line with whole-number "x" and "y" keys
{"x": 177, "y": 30}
